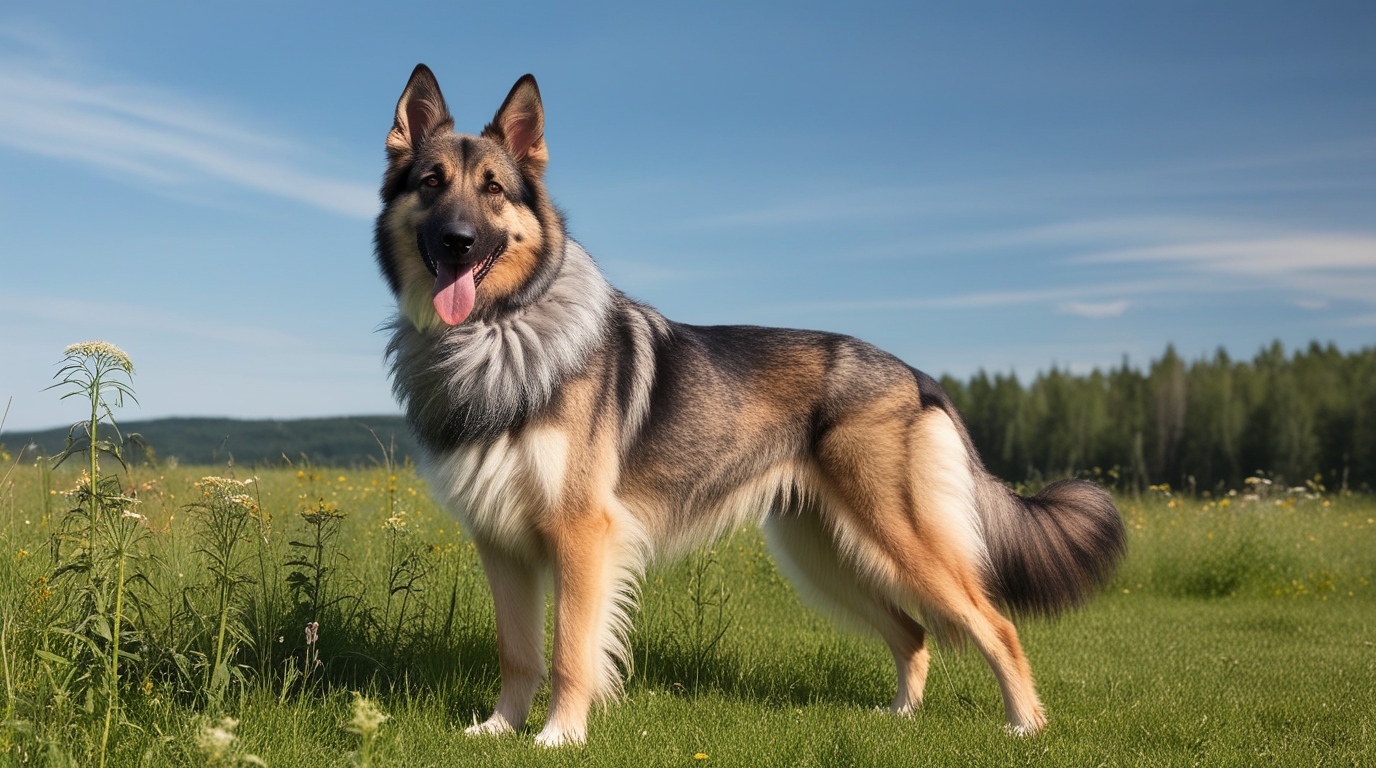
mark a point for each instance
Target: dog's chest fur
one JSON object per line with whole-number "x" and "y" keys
{"x": 500, "y": 490}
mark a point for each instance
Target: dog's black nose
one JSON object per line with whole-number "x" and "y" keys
{"x": 458, "y": 239}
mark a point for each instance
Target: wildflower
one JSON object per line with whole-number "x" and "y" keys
{"x": 130, "y": 514}
{"x": 366, "y": 717}
{"x": 103, "y": 351}
{"x": 322, "y": 512}
{"x": 312, "y": 632}
{"x": 216, "y": 741}
{"x": 700, "y": 756}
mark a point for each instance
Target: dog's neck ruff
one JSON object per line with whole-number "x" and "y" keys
{"x": 477, "y": 380}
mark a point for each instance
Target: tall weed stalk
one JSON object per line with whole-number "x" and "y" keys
{"x": 225, "y": 516}
{"x": 106, "y": 531}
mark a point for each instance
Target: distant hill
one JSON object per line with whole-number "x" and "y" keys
{"x": 338, "y": 441}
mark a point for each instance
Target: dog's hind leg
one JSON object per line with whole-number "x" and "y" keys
{"x": 960, "y": 600}
{"x": 806, "y": 553}
{"x": 907, "y": 512}
{"x": 519, "y": 598}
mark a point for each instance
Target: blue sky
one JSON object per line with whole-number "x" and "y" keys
{"x": 1007, "y": 186}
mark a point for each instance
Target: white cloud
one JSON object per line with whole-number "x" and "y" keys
{"x": 1064, "y": 294}
{"x": 1270, "y": 256}
{"x": 1094, "y": 311}
{"x": 160, "y": 136}
{"x": 1327, "y": 266}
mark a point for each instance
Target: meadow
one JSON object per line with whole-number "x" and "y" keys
{"x": 1239, "y": 631}
{"x": 302, "y": 615}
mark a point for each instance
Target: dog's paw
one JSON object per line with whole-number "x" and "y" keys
{"x": 493, "y": 726}
{"x": 552, "y": 737}
{"x": 905, "y": 709}
{"x": 1024, "y": 730}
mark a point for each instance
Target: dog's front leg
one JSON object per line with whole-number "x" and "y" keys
{"x": 586, "y": 574}
{"x": 519, "y": 597}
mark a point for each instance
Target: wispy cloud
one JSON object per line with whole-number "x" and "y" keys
{"x": 1094, "y": 311}
{"x": 116, "y": 315}
{"x": 1064, "y": 295}
{"x": 1259, "y": 256}
{"x": 163, "y": 137}
{"x": 1327, "y": 266}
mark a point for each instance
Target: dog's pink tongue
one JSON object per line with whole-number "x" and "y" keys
{"x": 454, "y": 293}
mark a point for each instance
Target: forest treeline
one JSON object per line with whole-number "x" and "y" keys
{"x": 1217, "y": 420}
{"x": 1207, "y": 424}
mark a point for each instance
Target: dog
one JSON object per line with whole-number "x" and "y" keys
{"x": 577, "y": 434}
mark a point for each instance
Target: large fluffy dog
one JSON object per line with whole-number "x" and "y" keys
{"x": 577, "y": 434}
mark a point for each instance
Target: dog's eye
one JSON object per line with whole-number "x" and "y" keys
{"x": 431, "y": 181}
{"x": 494, "y": 188}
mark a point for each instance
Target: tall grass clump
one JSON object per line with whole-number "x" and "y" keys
{"x": 684, "y": 618}
{"x": 225, "y": 515}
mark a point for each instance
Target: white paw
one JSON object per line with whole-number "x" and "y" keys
{"x": 1023, "y": 730}
{"x": 906, "y": 710}
{"x": 493, "y": 726}
{"x": 553, "y": 736}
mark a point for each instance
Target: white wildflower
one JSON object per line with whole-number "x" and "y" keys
{"x": 367, "y": 717}
{"x": 216, "y": 741}
{"x": 101, "y": 350}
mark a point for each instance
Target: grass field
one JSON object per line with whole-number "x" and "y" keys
{"x": 1235, "y": 634}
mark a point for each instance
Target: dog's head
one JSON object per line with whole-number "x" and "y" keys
{"x": 466, "y": 223}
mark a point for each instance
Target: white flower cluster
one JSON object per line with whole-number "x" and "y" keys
{"x": 101, "y": 350}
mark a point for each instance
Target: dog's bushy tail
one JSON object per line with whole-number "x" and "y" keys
{"x": 1050, "y": 551}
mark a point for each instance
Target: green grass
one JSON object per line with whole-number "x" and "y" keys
{"x": 1234, "y": 635}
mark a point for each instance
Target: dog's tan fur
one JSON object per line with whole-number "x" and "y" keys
{"x": 635, "y": 438}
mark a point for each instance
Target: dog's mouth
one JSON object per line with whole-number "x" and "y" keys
{"x": 456, "y": 284}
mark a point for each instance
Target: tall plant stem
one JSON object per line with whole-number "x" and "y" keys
{"x": 95, "y": 466}
{"x": 112, "y": 702}
{"x": 220, "y": 636}
{"x": 9, "y": 686}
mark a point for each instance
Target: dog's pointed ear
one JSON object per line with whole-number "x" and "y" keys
{"x": 520, "y": 126}
{"x": 420, "y": 112}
